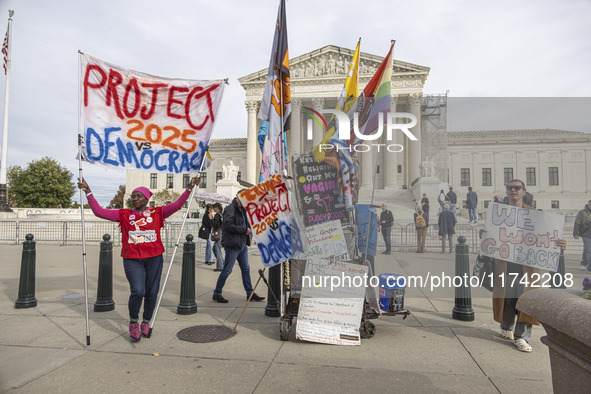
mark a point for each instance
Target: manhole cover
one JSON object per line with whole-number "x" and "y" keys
{"x": 205, "y": 334}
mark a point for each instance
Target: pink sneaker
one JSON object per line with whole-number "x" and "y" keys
{"x": 134, "y": 332}
{"x": 145, "y": 329}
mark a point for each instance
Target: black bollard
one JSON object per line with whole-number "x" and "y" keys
{"x": 104, "y": 294}
{"x": 26, "y": 286}
{"x": 272, "y": 309}
{"x": 463, "y": 302}
{"x": 187, "y": 305}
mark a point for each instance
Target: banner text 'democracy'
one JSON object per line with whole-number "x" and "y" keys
{"x": 132, "y": 120}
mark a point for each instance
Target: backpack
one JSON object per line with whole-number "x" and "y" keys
{"x": 420, "y": 221}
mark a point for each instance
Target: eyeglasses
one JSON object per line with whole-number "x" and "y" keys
{"x": 513, "y": 187}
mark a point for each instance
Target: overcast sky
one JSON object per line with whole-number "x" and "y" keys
{"x": 538, "y": 48}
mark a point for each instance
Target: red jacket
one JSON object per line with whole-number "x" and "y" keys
{"x": 141, "y": 233}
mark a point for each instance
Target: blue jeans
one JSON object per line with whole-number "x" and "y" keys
{"x": 587, "y": 248}
{"x": 143, "y": 276}
{"x": 473, "y": 212}
{"x": 231, "y": 256}
{"x": 208, "y": 251}
{"x": 219, "y": 257}
{"x": 522, "y": 330}
{"x": 453, "y": 210}
{"x": 386, "y": 234}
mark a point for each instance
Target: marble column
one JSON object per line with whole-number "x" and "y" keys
{"x": 317, "y": 104}
{"x": 390, "y": 168}
{"x": 414, "y": 162}
{"x": 295, "y": 135}
{"x": 367, "y": 168}
{"x": 251, "y": 142}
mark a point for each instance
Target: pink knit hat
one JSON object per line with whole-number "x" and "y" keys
{"x": 144, "y": 190}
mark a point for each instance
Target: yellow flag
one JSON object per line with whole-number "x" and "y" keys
{"x": 346, "y": 100}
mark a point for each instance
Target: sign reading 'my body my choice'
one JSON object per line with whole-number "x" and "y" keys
{"x": 132, "y": 120}
{"x": 522, "y": 236}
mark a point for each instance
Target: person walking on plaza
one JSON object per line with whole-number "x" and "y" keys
{"x": 582, "y": 228}
{"x": 453, "y": 200}
{"x": 386, "y": 222}
{"x": 441, "y": 198}
{"x": 472, "y": 205}
{"x": 236, "y": 233}
{"x": 421, "y": 220}
{"x": 207, "y": 223}
{"x": 447, "y": 224}
{"x": 505, "y": 293}
{"x": 216, "y": 226}
{"x": 425, "y": 203}
{"x": 141, "y": 248}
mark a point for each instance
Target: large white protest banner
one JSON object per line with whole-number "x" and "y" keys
{"x": 522, "y": 236}
{"x": 132, "y": 120}
{"x": 331, "y": 304}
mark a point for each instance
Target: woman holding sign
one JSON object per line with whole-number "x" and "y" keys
{"x": 511, "y": 280}
{"x": 141, "y": 248}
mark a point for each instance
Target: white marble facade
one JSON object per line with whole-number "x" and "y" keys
{"x": 554, "y": 164}
{"x": 317, "y": 80}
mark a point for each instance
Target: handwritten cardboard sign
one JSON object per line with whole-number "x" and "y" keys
{"x": 319, "y": 191}
{"x": 326, "y": 240}
{"x": 132, "y": 120}
{"x": 331, "y": 315}
{"x": 522, "y": 236}
{"x": 268, "y": 208}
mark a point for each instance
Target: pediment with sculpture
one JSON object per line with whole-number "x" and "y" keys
{"x": 333, "y": 61}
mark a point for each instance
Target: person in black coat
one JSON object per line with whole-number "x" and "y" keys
{"x": 236, "y": 234}
{"x": 447, "y": 223}
{"x": 207, "y": 223}
{"x": 216, "y": 225}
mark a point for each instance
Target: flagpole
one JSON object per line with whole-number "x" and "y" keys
{"x": 153, "y": 320}
{"x": 175, "y": 249}
{"x": 80, "y": 140}
{"x": 4, "y": 207}
{"x": 375, "y": 173}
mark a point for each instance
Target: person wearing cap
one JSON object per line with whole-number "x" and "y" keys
{"x": 141, "y": 248}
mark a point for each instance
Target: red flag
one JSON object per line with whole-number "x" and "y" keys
{"x": 5, "y": 51}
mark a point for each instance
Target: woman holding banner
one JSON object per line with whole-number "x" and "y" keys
{"x": 141, "y": 248}
{"x": 511, "y": 280}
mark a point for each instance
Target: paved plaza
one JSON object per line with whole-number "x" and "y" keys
{"x": 43, "y": 349}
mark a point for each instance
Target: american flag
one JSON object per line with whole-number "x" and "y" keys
{"x": 5, "y": 51}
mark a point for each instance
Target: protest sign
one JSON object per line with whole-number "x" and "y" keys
{"x": 327, "y": 313}
{"x": 274, "y": 227}
{"x": 367, "y": 229}
{"x": 326, "y": 240}
{"x": 522, "y": 236}
{"x": 319, "y": 191}
{"x": 132, "y": 120}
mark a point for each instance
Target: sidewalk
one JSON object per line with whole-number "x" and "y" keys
{"x": 44, "y": 349}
